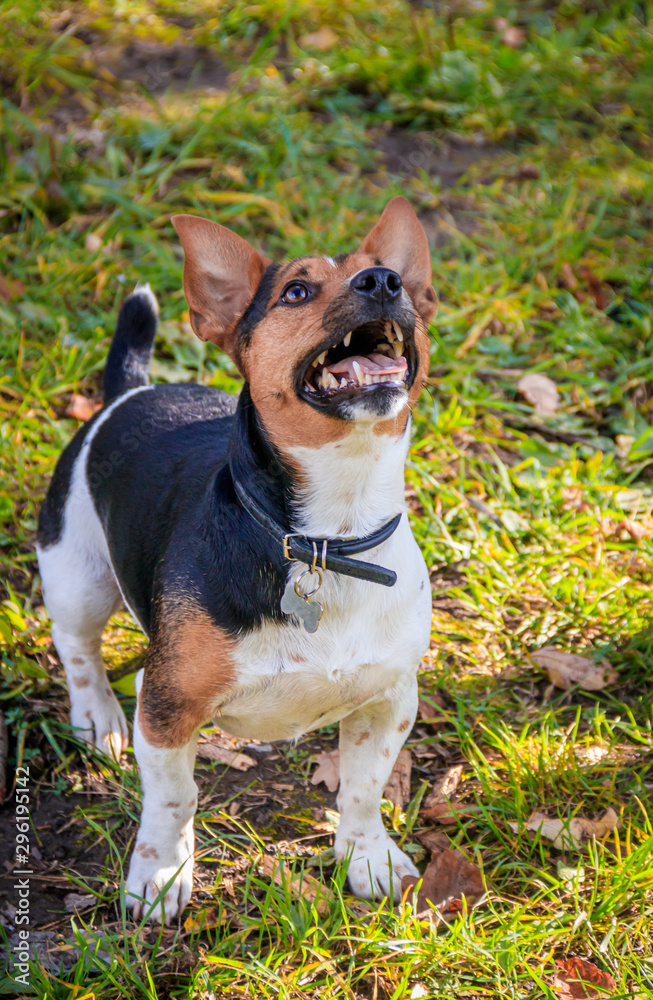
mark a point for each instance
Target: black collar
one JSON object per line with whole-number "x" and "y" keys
{"x": 325, "y": 553}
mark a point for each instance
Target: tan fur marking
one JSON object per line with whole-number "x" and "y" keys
{"x": 77, "y": 660}
{"x": 81, "y": 682}
{"x": 146, "y": 851}
{"x": 289, "y": 420}
{"x": 171, "y": 805}
{"x": 363, "y": 736}
{"x": 403, "y": 726}
{"x": 385, "y": 752}
{"x": 188, "y": 668}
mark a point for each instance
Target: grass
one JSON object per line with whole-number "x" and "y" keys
{"x": 537, "y": 530}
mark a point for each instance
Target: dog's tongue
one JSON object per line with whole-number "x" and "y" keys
{"x": 372, "y": 365}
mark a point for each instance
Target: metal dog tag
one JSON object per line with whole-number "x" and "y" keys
{"x": 294, "y": 602}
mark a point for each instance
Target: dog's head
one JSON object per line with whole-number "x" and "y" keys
{"x": 323, "y": 342}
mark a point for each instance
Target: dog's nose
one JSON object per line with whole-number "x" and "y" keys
{"x": 377, "y": 283}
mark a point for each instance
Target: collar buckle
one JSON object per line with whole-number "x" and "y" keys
{"x": 285, "y": 543}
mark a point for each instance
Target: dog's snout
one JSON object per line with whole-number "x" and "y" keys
{"x": 377, "y": 283}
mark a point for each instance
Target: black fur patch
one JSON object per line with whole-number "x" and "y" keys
{"x": 52, "y": 512}
{"x": 258, "y": 306}
{"x": 162, "y": 485}
{"x": 130, "y": 353}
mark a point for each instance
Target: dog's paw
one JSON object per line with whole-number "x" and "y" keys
{"x": 152, "y": 869}
{"x": 376, "y": 865}
{"x": 97, "y": 717}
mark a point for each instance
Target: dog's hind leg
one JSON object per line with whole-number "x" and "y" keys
{"x": 81, "y": 593}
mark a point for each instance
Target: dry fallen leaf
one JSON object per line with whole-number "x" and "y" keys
{"x": 397, "y": 789}
{"x": 577, "y": 979}
{"x": 636, "y": 529}
{"x": 323, "y": 39}
{"x": 300, "y": 885}
{"x": 568, "y": 278}
{"x": 223, "y": 755}
{"x": 565, "y": 669}
{"x": 541, "y": 392}
{"x": 447, "y": 812}
{"x": 597, "y": 290}
{"x": 444, "y": 788}
{"x": 429, "y": 710}
{"x": 75, "y": 901}
{"x": 82, "y": 407}
{"x": 10, "y": 288}
{"x": 327, "y": 770}
{"x": 212, "y": 916}
{"x": 449, "y": 877}
{"x": 572, "y": 833}
{"x": 433, "y": 840}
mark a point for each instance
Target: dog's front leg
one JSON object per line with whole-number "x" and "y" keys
{"x": 370, "y": 740}
{"x": 165, "y": 842}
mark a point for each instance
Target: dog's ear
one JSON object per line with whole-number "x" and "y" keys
{"x": 221, "y": 274}
{"x": 398, "y": 240}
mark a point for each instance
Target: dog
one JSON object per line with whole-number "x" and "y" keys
{"x": 261, "y": 543}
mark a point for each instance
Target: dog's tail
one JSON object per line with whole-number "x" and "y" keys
{"x": 131, "y": 348}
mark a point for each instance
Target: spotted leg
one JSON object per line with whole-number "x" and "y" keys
{"x": 81, "y": 594}
{"x": 370, "y": 740}
{"x": 165, "y": 842}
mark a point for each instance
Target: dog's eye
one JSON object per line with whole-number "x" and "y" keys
{"x": 294, "y": 294}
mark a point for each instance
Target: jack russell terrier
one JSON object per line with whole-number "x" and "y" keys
{"x": 232, "y": 529}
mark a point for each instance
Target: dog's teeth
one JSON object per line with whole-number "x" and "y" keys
{"x": 343, "y": 383}
{"x": 310, "y": 387}
{"x": 347, "y": 339}
{"x": 329, "y": 381}
{"x": 358, "y": 372}
{"x": 388, "y": 329}
{"x": 321, "y": 357}
{"x": 398, "y": 348}
{"x": 315, "y": 362}
{"x": 397, "y": 329}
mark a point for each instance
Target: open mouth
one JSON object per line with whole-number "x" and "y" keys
{"x": 378, "y": 352}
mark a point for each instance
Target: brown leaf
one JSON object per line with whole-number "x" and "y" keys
{"x": 428, "y": 710}
{"x": 74, "y": 901}
{"x": 568, "y": 278}
{"x": 223, "y": 755}
{"x": 323, "y": 39}
{"x": 636, "y": 529}
{"x": 527, "y": 172}
{"x": 433, "y": 840}
{"x": 300, "y": 885}
{"x": 397, "y": 789}
{"x": 203, "y": 920}
{"x": 449, "y": 877}
{"x": 595, "y": 288}
{"x": 577, "y": 979}
{"x": 447, "y": 812}
{"x": 572, "y": 833}
{"x": 565, "y": 669}
{"x": 10, "y": 288}
{"x": 327, "y": 770}
{"x": 82, "y": 407}
{"x": 444, "y": 788}
{"x": 541, "y": 391}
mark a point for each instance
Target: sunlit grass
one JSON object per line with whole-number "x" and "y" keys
{"x": 536, "y": 531}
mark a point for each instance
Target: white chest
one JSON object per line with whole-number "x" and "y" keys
{"x": 369, "y": 640}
